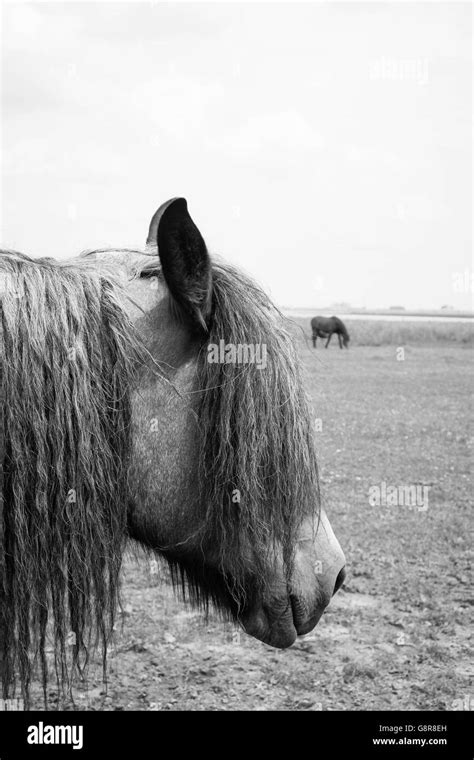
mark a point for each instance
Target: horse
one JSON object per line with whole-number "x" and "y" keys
{"x": 118, "y": 428}
{"x": 324, "y": 327}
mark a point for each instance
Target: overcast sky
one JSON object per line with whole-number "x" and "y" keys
{"x": 325, "y": 148}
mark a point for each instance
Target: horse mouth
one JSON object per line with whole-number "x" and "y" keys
{"x": 280, "y": 629}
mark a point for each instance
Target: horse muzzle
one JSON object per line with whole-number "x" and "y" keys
{"x": 280, "y": 620}
{"x": 280, "y": 628}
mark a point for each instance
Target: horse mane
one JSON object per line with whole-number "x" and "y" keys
{"x": 257, "y": 442}
{"x": 67, "y": 372}
{"x": 68, "y": 355}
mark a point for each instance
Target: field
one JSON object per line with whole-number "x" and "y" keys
{"x": 396, "y": 333}
{"x": 396, "y": 636}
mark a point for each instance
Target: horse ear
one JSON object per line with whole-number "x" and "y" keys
{"x": 184, "y": 259}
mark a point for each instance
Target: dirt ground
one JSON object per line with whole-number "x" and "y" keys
{"x": 396, "y": 635}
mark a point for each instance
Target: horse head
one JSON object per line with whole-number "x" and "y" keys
{"x": 223, "y": 479}
{"x": 154, "y": 395}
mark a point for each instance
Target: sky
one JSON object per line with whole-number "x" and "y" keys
{"x": 326, "y": 148}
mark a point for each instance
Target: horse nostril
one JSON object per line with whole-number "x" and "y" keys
{"x": 339, "y": 580}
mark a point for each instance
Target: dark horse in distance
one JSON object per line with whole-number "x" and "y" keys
{"x": 324, "y": 327}
{"x": 116, "y": 425}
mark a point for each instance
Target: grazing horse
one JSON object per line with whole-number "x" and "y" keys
{"x": 116, "y": 426}
{"x": 324, "y": 327}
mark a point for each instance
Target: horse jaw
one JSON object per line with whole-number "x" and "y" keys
{"x": 289, "y": 610}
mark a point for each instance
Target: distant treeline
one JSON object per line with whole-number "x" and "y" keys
{"x": 414, "y": 313}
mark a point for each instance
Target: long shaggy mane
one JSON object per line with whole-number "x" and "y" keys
{"x": 258, "y": 475}
{"x": 67, "y": 363}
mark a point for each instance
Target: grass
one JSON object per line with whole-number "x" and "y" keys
{"x": 397, "y": 635}
{"x": 397, "y": 333}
